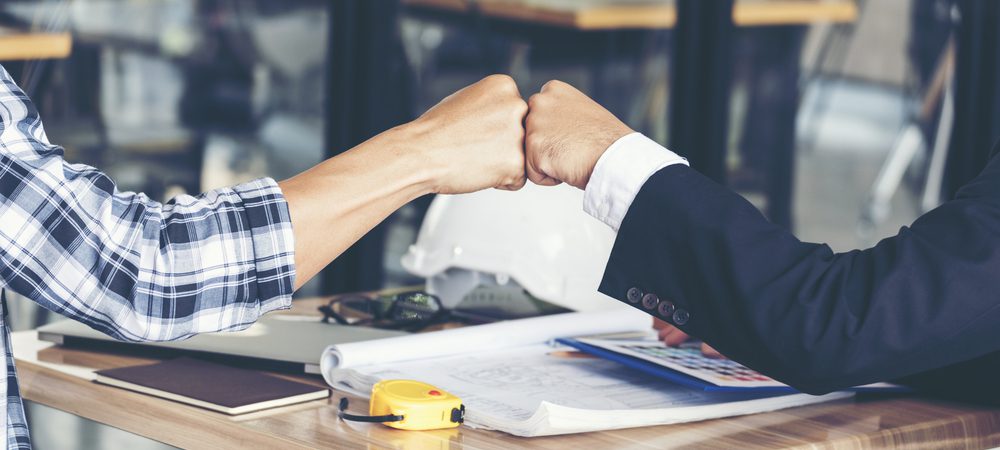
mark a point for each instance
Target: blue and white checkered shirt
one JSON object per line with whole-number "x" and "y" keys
{"x": 130, "y": 267}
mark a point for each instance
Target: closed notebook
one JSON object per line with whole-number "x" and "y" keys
{"x": 213, "y": 386}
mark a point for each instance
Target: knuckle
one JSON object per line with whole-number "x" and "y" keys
{"x": 535, "y": 100}
{"x": 553, "y": 85}
{"x": 497, "y": 78}
{"x": 543, "y": 165}
{"x": 514, "y": 179}
{"x": 501, "y": 81}
{"x": 532, "y": 141}
{"x": 519, "y": 107}
{"x": 532, "y": 120}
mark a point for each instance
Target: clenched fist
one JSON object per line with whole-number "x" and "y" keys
{"x": 474, "y": 138}
{"x": 566, "y": 133}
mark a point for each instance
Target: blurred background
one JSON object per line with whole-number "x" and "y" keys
{"x": 840, "y": 119}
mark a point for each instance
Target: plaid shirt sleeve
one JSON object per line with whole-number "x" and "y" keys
{"x": 128, "y": 266}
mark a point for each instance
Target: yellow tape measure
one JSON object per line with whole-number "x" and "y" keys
{"x": 410, "y": 405}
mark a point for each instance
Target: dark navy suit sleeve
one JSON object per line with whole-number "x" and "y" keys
{"x": 709, "y": 262}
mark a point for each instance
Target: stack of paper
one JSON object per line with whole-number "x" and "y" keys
{"x": 511, "y": 380}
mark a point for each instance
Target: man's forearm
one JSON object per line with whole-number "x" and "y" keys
{"x": 471, "y": 140}
{"x": 336, "y": 202}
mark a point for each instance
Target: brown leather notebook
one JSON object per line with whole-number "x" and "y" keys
{"x": 213, "y": 386}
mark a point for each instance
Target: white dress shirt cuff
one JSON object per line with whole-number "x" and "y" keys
{"x": 620, "y": 173}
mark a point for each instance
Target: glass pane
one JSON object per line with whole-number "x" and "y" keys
{"x": 187, "y": 95}
{"x": 624, "y": 68}
{"x": 865, "y": 105}
{"x": 181, "y": 96}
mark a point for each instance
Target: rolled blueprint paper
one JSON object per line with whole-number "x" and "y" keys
{"x": 498, "y": 335}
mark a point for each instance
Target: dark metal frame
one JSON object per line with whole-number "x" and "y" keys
{"x": 367, "y": 90}
{"x": 768, "y": 141}
{"x": 699, "y": 104}
{"x": 977, "y": 93}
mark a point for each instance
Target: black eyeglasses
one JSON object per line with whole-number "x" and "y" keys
{"x": 409, "y": 311}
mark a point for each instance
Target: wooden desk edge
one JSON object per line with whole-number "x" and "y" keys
{"x": 652, "y": 16}
{"x": 128, "y": 410}
{"x": 142, "y": 415}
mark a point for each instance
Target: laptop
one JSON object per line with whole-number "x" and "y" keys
{"x": 283, "y": 343}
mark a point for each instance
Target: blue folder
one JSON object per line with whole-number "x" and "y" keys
{"x": 684, "y": 379}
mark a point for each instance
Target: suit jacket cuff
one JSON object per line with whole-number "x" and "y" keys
{"x": 620, "y": 173}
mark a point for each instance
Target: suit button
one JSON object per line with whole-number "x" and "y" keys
{"x": 666, "y": 309}
{"x": 633, "y": 295}
{"x": 649, "y": 301}
{"x": 681, "y": 317}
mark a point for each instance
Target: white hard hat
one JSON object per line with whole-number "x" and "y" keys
{"x": 539, "y": 237}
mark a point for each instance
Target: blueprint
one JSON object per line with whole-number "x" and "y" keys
{"x": 536, "y": 390}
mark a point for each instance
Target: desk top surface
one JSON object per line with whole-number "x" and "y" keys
{"x": 60, "y": 378}
{"x": 638, "y": 14}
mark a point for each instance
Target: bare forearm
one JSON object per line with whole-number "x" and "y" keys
{"x": 471, "y": 140}
{"x": 336, "y": 202}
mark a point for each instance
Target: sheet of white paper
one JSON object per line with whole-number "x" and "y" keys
{"x": 529, "y": 392}
{"x": 508, "y": 334}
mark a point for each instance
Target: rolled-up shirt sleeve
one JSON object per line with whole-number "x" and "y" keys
{"x": 620, "y": 173}
{"x": 126, "y": 265}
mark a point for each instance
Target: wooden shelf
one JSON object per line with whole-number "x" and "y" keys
{"x": 607, "y": 15}
{"x": 16, "y": 46}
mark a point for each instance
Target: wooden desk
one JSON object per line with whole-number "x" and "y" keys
{"x": 653, "y": 14}
{"x": 60, "y": 378}
{"x": 24, "y": 46}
